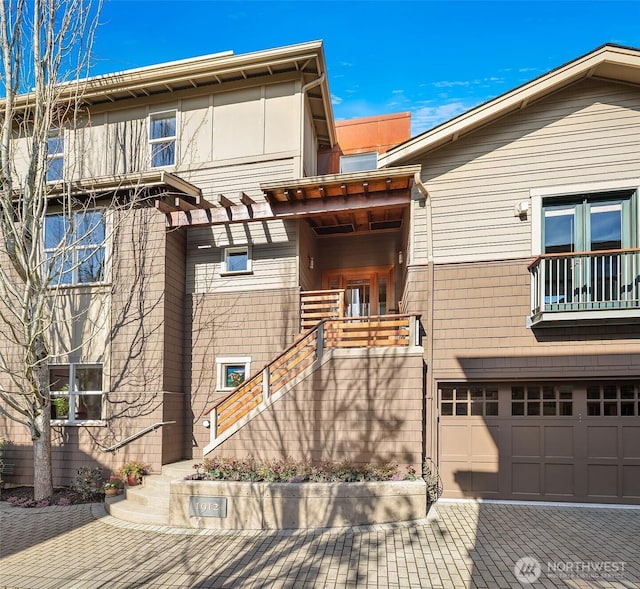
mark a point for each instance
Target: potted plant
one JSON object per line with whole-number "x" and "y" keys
{"x": 113, "y": 485}
{"x": 133, "y": 472}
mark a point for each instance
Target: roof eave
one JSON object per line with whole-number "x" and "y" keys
{"x": 584, "y": 67}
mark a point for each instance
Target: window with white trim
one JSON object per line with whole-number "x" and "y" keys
{"x": 232, "y": 372}
{"x": 74, "y": 247}
{"x": 55, "y": 156}
{"x": 162, "y": 139}
{"x": 236, "y": 260}
{"x": 76, "y": 393}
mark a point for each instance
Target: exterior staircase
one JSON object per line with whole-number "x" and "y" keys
{"x": 148, "y": 503}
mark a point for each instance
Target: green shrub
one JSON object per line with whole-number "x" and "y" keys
{"x": 287, "y": 470}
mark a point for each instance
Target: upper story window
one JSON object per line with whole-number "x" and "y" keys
{"x": 76, "y": 392}
{"x": 359, "y": 162}
{"x": 589, "y": 260}
{"x": 236, "y": 260}
{"x": 74, "y": 246}
{"x": 588, "y": 223}
{"x": 162, "y": 139}
{"x": 55, "y": 156}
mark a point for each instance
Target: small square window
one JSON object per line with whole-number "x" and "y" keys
{"x": 232, "y": 372}
{"x": 237, "y": 260}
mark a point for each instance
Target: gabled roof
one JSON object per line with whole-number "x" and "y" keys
{"x": 608, "y": 62}
{"x": 208, "y": 71}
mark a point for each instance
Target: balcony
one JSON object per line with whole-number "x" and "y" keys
{"x": 586, "y": 287}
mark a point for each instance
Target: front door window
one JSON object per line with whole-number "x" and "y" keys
{"x": 368, "y": 291}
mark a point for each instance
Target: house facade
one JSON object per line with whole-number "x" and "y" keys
{"x": 530, "y": 255}
{"x": 292, "y": 286}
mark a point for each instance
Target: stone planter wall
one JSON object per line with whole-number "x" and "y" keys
{"x": 277, "y": 506}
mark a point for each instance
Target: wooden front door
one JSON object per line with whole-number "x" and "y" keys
{"x": 368, "y": 291}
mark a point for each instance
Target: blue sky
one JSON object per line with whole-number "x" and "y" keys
{"x": 435, "y": 59}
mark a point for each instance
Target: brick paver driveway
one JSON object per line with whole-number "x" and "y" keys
{"x": 466, "y": 545}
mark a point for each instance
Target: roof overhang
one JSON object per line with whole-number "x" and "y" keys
{"x": 171, "y": 192}
{"x": 609, "y": 62}
{"x": 314, "y": 198}
{"x": 305, "y": 60}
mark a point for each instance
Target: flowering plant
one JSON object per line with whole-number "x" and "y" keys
{"x": 114, "y": 482}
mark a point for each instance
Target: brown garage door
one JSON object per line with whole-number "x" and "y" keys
{"x": 568, "y": 442}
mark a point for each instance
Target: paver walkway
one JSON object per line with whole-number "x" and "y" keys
{"x": 465, "y": 545}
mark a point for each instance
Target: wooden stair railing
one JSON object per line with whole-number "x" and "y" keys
{"x": 228, "y": 414}
{"x": 316, "y": 305}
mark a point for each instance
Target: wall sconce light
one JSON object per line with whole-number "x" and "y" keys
{"x": 312, "y": 263}
{"x": 206, "y": 424}
{"x": 204, "y": 246}
{"x": 522, "y": 209}
{"x": 401, "y": 257}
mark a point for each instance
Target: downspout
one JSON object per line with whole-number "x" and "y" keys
{"x": 303, "y": 91}
{"x": 432, "y": 418}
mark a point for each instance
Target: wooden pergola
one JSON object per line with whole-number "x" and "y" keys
{"x": 362, "y": 200}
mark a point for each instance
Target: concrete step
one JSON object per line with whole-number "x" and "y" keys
{"x": 126, "y": 510}
{"x": 179, "y": 470}
{"x": 148, "y": 503}
{"x": 148, "y": 495}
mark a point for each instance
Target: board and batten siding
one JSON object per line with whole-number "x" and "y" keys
{"x": 242, "y": 123}
{"x": 587, "y": 133}
{"x": 273, "y": 257}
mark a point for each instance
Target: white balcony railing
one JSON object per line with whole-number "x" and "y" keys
{"x": 585, "y": 281}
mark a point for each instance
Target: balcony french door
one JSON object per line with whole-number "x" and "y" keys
{"x": 584, "y": 266}
{"x": 368, "y": 291}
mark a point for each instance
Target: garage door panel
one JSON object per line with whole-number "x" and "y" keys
{"x": 525, "y": 441}
{"x": 558, "y": 441}
{"x": 455, "y": 441}
{"x": 602, "y": 480}
{"x": 484, "y": 442}
{"x": 485, "y": 479}
{"x": 456, "y": 477}
{"x": 631, "y": 442}
{"x": 525, "y": 478}
{"x": 559, "y": 479}
{"x": 602, "y": 441}
{"x": 631, "y": 481}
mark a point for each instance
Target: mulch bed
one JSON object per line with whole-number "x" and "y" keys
{"x": 72, "y": 497}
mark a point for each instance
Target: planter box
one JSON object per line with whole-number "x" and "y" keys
{"x": 279, "y": 506}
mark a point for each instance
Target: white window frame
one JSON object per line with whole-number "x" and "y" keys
{"x": 165, "y": 139}
{"x": 222, "y": 363}
{"x": 224, "y": 271}
{"x": 73, "y": 394}
{"x": 58, "y": 155}
{"x": 76, "y": 248}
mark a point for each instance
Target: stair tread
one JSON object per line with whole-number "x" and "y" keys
{"x": 137, "y": 513}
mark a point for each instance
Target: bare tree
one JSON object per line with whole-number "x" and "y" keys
{"x": 45, "y": 47}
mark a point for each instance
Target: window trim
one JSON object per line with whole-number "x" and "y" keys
{"x": 152, "y": 141}
{"x": 73, "y": 394}
{"x": 233, "y": 249}
{"x": 104, "y": 246}
{"x": 222, "y": 362}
